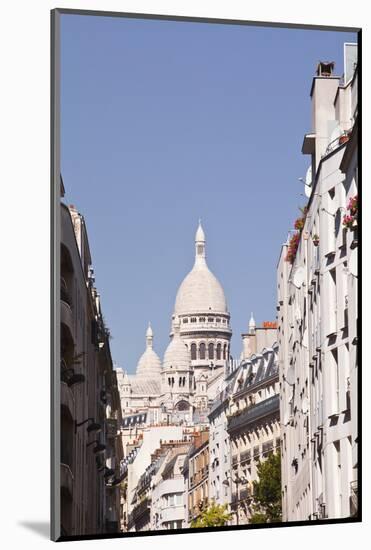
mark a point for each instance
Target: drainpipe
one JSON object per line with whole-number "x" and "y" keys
{"x": 309, "y": 394}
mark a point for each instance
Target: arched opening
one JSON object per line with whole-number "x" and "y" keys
{"x": 182, "y": 405}
{"x": 211, "y": 350}
{"x": 225, "y": 351}
{"x": 193, "y": 352}
{"x": 219, "y": 351}
{"x": 202, "y": 351}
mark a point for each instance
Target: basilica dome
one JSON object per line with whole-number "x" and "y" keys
{"x": 149, "y": 365}
{"x": 176, "y": 356}
{"x": 200, "y": 291}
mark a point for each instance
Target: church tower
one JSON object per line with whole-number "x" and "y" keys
{"x": 204, "y": 319}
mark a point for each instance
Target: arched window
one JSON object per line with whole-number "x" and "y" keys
{"x": 211, "y": 350}
{"x": 193, "y": 352}
{"x": 225, "y": 351}
{"x": 219, "y": 351}
{"x": 202, "y": 351}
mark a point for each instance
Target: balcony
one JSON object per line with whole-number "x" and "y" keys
{"x": 267, "y": 448}
{"x": 251, "y": 415}
{"x": 67, "y": 316}
{"x": 67, "y": 399}
{"x": 111, "y": 427}
{"x": 246, "y": 455}
{"x": 66, "y": 479}
{"x": 140, "y": 509}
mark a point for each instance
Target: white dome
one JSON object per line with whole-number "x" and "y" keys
{"x": 176, "y": 355}
{"x": 200, "y": 291}
{"x": 149, "y": 365}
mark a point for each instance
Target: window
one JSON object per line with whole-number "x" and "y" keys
{"x": 336, "y": 379}
{"x": 210, "y": 319}
{"x": 193, "y": 319}
{"x": 202, "y": 351}
{"x": 202, "y": 319}
{"x": 225, "y": 351}
{"x": 219, "y": 351}
{"x": 185, "y": 320}
{"x": 193, "y": 352}
{"x": 211, "y": 351}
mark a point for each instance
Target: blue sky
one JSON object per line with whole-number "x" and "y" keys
{"x": 166, "y": 122}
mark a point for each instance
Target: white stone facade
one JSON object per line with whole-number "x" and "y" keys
{"x": 317, "y": 320}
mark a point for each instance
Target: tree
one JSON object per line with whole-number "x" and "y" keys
{"x": 215, "y": 515}
{"x": 267, "y": 503}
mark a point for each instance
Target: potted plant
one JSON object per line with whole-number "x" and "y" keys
{"x": 315, "y": 239}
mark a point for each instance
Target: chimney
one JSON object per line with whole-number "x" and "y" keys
{"x": 325, "y": 68}
{"x": 323, "y": 92}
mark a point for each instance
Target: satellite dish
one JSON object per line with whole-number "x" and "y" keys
{"x": 290, "y": 376}
{"x": 305, "y": 405}
{"x": 353, "y": 263}
{"x": 308, "y": 182}
{"x": 298, "y": 277}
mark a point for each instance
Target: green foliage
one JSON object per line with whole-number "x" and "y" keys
{"x": 215, "y": 515}
{"x": 267, "y": 503}
{"x": 258, "y": 518}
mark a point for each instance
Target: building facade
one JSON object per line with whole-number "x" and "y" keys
{"x": 196, "y": 474}
{"x": 168, "y": 495}
{"x": 89, "y": 393}
{"x": 253, "y": 425}
{"x": 317, "y": 313}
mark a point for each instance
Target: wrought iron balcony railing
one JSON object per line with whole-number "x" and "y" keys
{"x": 252, "y": 414}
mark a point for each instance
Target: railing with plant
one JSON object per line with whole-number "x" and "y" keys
{"x": 350, "y": 220}
{"x": 295, "y": 238}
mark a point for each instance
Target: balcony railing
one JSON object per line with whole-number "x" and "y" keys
{"x": 141, "y": 509}
{"x": 65, "y": 295}
{"x": 252, "y": 414}
{"x": 246, "y": 455}
{"x": 267, "y": 447}
{"x": 111, "y": 425}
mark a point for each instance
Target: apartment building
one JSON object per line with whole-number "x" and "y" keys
{"x": 317, "y": 312}
{"x": 88, "y": 392}
{"x": 196, "y": 473}
{"x": 253, "y": 425}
